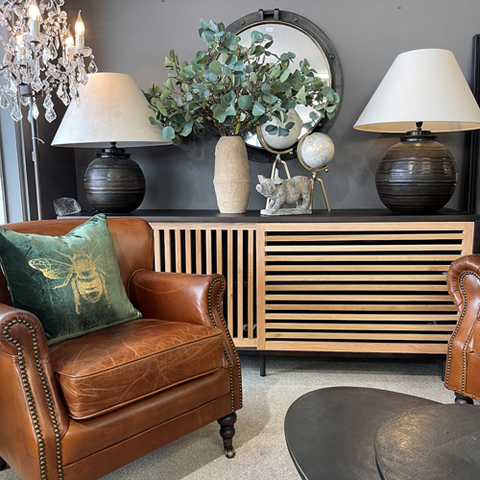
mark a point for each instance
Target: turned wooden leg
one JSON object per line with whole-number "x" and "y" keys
{"x": 462, "y": 400}
{"x": 3, "y": 463}
{"x": 227, "y": 431}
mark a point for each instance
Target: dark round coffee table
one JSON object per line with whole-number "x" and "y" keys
{"x": 439, "y": 442}
{"x": 330, "y": 432}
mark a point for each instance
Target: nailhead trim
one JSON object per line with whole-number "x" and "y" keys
{"x": 210, "y": 311}
{"x": 470, "y": 333}
{"x": 31, "y": 404}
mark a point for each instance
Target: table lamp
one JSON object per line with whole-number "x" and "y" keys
{"x": 113, "y": 114}
{"x": 424, "y": 91}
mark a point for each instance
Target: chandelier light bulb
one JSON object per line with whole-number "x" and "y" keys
{"x": 69, "y": 40}
{"x": 79, "y": 31}
{"x": 34, "y": 23}
{"x": 33, "y": 12}
{"x": 20, "y": 49}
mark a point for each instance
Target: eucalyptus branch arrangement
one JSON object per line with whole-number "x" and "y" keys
{"x": 232, "y": 89}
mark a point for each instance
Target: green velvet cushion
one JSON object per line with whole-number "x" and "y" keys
{"x": 71, "y": 283}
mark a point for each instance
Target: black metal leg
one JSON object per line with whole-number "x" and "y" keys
{"x": 444, "y": 365}
{"x": 462, "y": 399}
{"x": 263, "y": 365}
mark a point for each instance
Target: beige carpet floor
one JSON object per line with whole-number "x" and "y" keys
{"x": 259, "y": 442}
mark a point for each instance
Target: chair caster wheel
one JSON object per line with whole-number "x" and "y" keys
{"x": 230, "y": 452}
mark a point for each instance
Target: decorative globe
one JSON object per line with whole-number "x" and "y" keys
{"x": 316, "y": 150}
{"x": 279, "y": 142}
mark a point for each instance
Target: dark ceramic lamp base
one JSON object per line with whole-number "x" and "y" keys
{"x": 114, "y": 183}
{"x": 417, "y": 175}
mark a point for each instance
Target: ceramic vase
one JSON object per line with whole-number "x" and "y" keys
{"x": 232, "y": 178}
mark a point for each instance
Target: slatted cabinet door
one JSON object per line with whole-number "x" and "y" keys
{"x": 357, "y": 287}
{"x": 228, "y": 249}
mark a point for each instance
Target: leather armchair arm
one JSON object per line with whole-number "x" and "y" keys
{"x": 466, "y": 265}
{"x": 176, "y": 296}
{"x": 463, "y": 280}
{"x": 29, "y": 393}
{"x": 186, "y": 298}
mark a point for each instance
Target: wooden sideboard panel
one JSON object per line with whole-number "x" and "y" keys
{"x": 215, "y": 248}
{"x": 357, "y": 287}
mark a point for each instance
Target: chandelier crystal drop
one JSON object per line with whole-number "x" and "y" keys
{"x": 41, "y": 57}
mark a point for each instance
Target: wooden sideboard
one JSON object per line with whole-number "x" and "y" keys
{"x": 358, "y": 281}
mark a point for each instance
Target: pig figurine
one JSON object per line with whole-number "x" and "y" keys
{"x": 280, "y": 191}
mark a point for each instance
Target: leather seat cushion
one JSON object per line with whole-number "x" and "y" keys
{"x": 111, "y": 368}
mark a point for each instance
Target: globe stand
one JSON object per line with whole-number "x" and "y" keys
{"x": 315, "y": 177}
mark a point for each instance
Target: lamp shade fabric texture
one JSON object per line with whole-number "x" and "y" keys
{"x": 422, "y": 86}
{"x": 71, "y": 283}
{"x": 112, "y": 109}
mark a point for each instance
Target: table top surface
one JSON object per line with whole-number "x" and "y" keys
{"x": 318, "y": 216}
{"x": 439, "y": 442}
{"x": 330, "y": 433}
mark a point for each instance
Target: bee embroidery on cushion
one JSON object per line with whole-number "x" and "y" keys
{"x": 84, "y": 274}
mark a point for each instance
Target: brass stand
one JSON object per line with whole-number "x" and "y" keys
{"x": 315, "y": 177}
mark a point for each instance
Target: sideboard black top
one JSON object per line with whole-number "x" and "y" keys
{"x": 318, "y": 216}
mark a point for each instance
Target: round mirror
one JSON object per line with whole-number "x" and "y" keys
{"x": 293, "y": 33}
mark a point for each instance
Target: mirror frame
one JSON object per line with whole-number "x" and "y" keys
{"x": 305, "y": 26}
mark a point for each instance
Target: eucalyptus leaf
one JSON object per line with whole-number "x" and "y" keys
{"x": 188, "y": 72}
{"x": 168, "y": 133}
{"x": 210, "y": 76}
{"x": 228, "y": 99}
{"x": 186, "y": 131}
{"x": 287, "y": 56}
{"x": 231, "y": 42}
{"x": 213, "y": 26}
{"x": 169, "y": 84}
{"x": 266, "y": 88}
{"x": 245, "y": 102}
{"x": 269, "y": 98}
{"x": 154, "y": 121}
{"x": 216, "y": 67}
{"x": 301, "y": 93}
{"x": 285, "y": 75}
{"x": 239, "y": 66}
{"x": 258, "y": 109}
{"x": 166, "y": 93}
{"x": 230, "y": 59}
{"x": 257, "y": 37}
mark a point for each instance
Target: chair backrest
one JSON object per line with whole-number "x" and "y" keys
{"x": 132, "y": 239}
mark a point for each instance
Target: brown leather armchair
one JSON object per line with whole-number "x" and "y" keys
{"x": 462, "y": 372}
{"x": 82, "y": 408}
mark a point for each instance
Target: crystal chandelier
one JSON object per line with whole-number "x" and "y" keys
{"x": 41, "y": 57}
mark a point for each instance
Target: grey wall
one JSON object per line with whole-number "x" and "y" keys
{"x": 134, "y": 37}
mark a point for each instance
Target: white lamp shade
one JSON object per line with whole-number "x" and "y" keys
{"x": 112, "y": 109}
{"x": 422, "y": 86}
